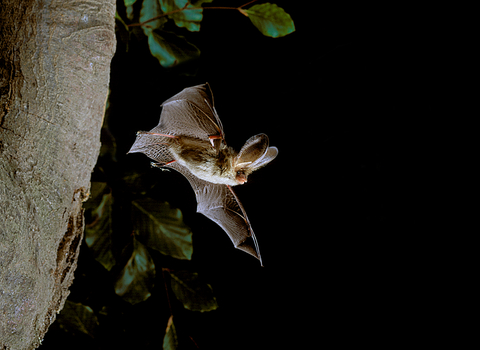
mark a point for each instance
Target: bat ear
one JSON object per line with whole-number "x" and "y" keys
{"x": 255, "y": 153}
{"x": 253, "y": 149}
{"x": 269, "y": 155}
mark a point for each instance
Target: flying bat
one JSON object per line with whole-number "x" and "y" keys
{"x": 190, "y": 139}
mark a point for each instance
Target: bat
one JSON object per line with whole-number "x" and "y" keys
{"x": 190, "y": 139}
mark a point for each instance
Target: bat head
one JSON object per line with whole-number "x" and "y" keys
{"x": 253, "y": 155}
{"x": 241, "y": 177}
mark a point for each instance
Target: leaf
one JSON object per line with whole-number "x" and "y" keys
{"x": 129, "y": 11}
{"x": 171, "y": 49}
{"x": 162, "y": 228}
{"x": 189, "y": 19}
{"x": 194, "y": 294}
{"x": 151, "y": 9}
{"x": 117, "y": 17}
{"x": 270, "y": 19}
{"x": 77, "y": 318}
{"x": 136, "y": 279}
{"x": 98, "y": 225}
{"x": 170, "y": 341}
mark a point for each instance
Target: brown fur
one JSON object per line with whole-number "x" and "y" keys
{"x": 202, "y": 160}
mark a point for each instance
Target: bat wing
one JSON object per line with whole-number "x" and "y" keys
{"x": 220, "y": 204}
{"x": 191, "y": 112}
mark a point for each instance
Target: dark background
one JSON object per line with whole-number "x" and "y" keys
{"x": 339, "y": 98}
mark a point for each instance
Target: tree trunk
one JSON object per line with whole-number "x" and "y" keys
{"x": 54, "y": 71}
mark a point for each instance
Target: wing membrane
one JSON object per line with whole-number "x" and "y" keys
{"x": 191, "y": 113}
{"x": 220, "y": 204}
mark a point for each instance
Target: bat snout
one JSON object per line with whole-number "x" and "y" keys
{"x": 241, "y": 177}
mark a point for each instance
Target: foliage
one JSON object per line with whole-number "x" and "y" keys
{"x": 155, "y": 227}
{"x": 270, "y": 19}
{"x": 172, "y": 49}
{"x": 162, "y": 228}
{"x": 170, "y": 341}
{"x": 136, "y": 279}
{"x": 192, "y": 292}
{"x": 81, "y": 319}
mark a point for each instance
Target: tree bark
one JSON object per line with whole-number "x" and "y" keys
{"x": 54, "y": 72}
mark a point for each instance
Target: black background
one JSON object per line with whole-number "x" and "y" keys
{"x": 340, "y": 98}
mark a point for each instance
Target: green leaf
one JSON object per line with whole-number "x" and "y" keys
{"x": 162, "y": 228}
{"x": 170, "y": 49}
{"x": 194, "y": 294}
{"x": 170, "y": 341}
{"x": 117, "y": 17}
{"x": 270, "y": 19}
{"x": 129, "y": 11}
{"x": 77, "y": 318}
{"x": 121, "y": 30}
{"x": 136, "y": 279}
{"x": 187, "y": 18}
{"x": 98, "y": 223}
{"x": 151, "y": 9}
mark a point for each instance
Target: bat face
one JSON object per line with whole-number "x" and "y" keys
{"x": 190, "y": 139}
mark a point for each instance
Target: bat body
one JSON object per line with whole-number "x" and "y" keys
{"x": 203, "y": 161}
{"x": 190, "y": 139}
